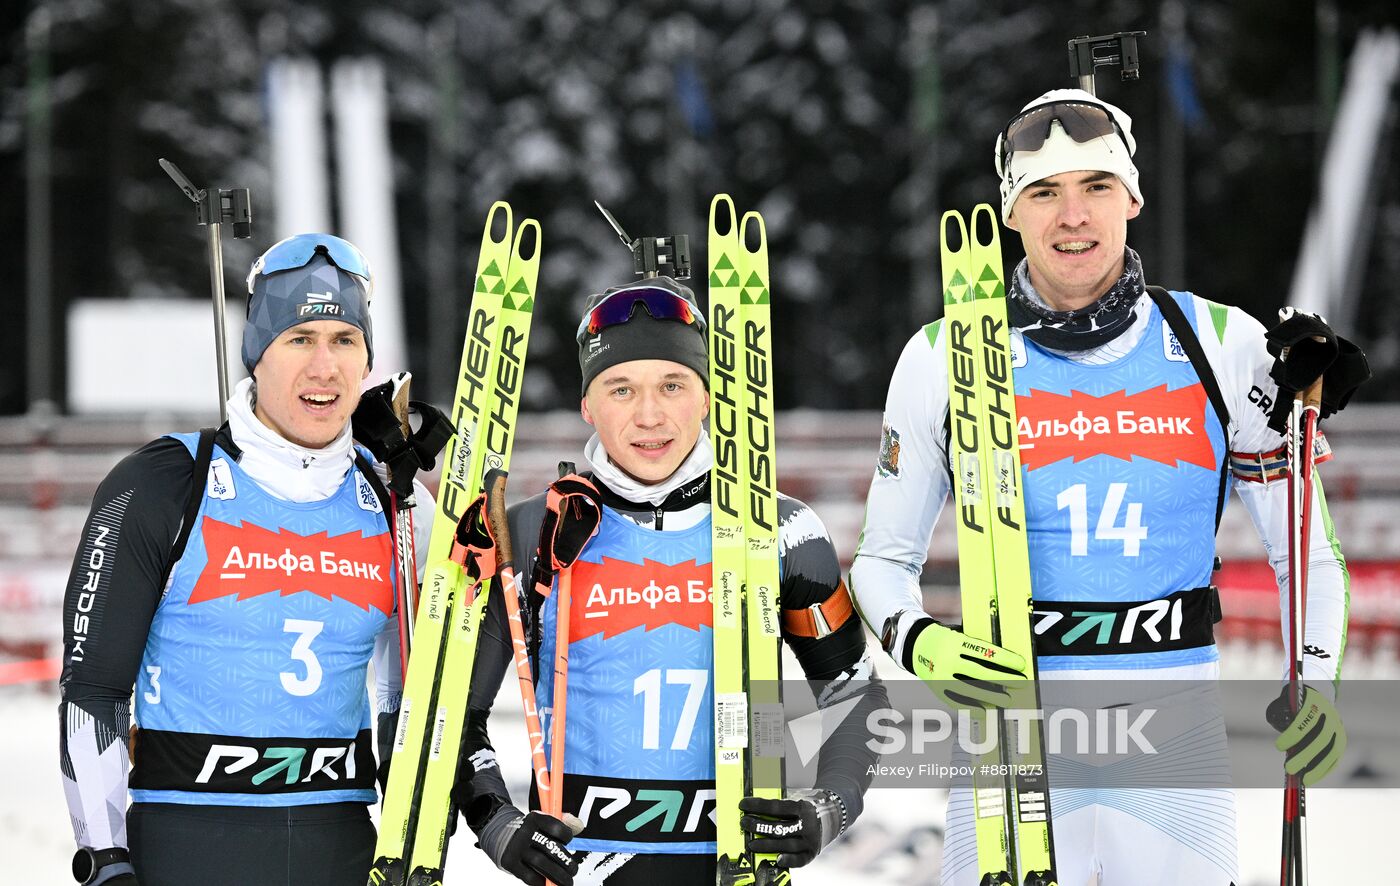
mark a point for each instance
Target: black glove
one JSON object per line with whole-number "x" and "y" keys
{"x": 103, "y": 867}
{"x": 796, "y": 827}
{"x": 376, "y": 425}
{"x": 1305, "y": 348}
{"x": 531, "y": 847}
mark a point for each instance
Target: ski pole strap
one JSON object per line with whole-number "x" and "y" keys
{"x": 377, "y": 427}
{"x": 1266, "y": 467}
{"x": 573, "y": 512}
{"x": 820, "y": 619}
{"x": 473, "y": 545}
{"x": 1181, "y": 620}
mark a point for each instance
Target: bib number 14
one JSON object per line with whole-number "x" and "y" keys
{"x": 1131, "y": 532}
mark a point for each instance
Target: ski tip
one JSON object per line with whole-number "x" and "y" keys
{"x": 956, "y": 219}
{"x": 753, "y": 218}
{"x": 500, "y": 206}
{"x": 993, "y": 226}
{"x": 722, "y": 200}
{"x": 531, "y": 226}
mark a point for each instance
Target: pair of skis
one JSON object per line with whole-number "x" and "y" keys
{"x": 744, "y": 517}
{"x": 1010, "y": 785}
{"x": 413, "y": 829}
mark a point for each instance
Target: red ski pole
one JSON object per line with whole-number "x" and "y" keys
{"x": 1301, "y": 441}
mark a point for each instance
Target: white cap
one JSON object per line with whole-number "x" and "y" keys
{"x": 1060, "y": 153}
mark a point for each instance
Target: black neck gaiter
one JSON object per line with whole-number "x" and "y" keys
{"x": 1083, "y": 329}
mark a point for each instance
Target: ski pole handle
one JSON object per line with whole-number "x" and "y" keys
{"x": 1311, "y": 396}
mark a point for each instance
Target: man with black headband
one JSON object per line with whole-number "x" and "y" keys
{"x": 1138, "y": 409}
{"x": 639, "y": 725}
{"x": 241, "y": 579}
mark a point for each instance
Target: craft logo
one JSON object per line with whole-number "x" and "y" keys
{"x": 615, "y": 596}
{"x": 248, "y": 561}
{"x": 317, "y": 305}
{"x": 1157, "y": 424}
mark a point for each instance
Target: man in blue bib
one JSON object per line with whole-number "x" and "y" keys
{"x": 241, "y": 580}
{"x": 1138, "y": 410}
{"x": 639, "y": 722}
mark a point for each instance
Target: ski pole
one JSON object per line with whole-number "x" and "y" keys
{"x": 381, "y": 424}
{"x": 561, "y": 693}
{"x": 1302, "y": 433}
{"x": 216, "y": 208}
{"x": 405, "y": 545}
{"x": 510, "y": 585}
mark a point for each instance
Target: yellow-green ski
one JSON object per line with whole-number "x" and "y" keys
{"x": 1007, "y": 517}
{"x": 413, "y": 830}
{"x": 1011, "y": 800}
{"x": 728, "y": 508}
{"x": 996, "y": 840}
{"x": 744, "y": 516}
{"x": 762, "y": 637}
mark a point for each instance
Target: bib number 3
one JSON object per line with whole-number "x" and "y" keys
{"x": 306, "y": 631}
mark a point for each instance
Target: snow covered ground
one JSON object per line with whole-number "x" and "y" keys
{"x": 897, "y": 841}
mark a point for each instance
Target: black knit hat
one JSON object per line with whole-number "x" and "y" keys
{"x": 642, "y": 336}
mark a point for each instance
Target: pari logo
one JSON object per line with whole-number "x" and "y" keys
{"x": 1157, "y": 424}
{"x": 318, "y": 305}
{"x": 227, "y": 764}
{"x": 248, "y": 561}
{"x": 670, "y": 812}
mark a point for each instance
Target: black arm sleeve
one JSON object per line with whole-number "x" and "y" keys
{"x": 838, "y": 665}
{"x": 114, "y": 586}
{"x": 480, "y": 789}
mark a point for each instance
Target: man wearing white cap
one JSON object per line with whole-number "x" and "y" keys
{"x": 1121, "y": 514}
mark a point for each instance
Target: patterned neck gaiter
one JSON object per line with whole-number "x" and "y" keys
{"x": 1082, "y": 329}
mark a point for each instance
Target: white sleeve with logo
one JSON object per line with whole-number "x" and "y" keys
{"x": 1235, "y": 346}
{"x": 906, "y": 493}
